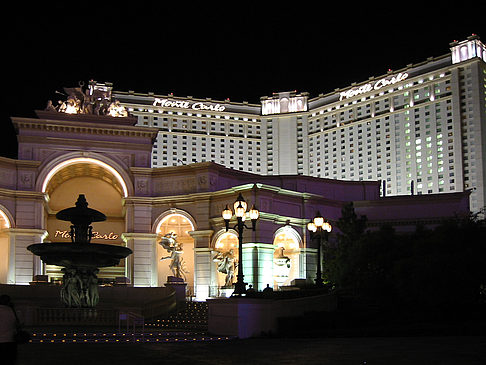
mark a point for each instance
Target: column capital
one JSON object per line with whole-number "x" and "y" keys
{"x": 132, "y": 235}
{"x": 201, "y": 233}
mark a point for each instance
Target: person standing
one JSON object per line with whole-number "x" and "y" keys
{"x": 8, "y": 328}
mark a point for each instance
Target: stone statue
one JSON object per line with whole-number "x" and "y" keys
{"x": 71, "y": 292}
{"x": 80, "y": 288}
{"x": 281, "y": 266}
{"x": 174, "y": 248}
{"x": 96, "y": 99}
{"x": 226, "y": 265}
{"x": 91, "y": 288}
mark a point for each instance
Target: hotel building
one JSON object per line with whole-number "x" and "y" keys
{"x": 418, "y": 130}
{"x": 165, "y": 164}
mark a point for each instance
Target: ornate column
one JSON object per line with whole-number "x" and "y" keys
{"x": 141, "y": 266}
{"x": 308, "y": 264}
{"x": 22, "y": 264}
{"x": 258, "y": 264}
{"x": 205, "y": 274}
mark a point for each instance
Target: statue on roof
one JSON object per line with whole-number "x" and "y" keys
{"x": 95, "y": 99}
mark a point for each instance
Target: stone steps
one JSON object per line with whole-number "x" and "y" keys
{"x": 122, "y": 337}
{"x": 192, "y": 315}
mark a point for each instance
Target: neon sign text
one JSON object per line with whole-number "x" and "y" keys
{"x": 184, "y": 104}
{"x": 370, "y": 86}
{"x": 96, "y": 235}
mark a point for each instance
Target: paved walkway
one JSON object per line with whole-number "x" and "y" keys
{"x": 451, "y": 350}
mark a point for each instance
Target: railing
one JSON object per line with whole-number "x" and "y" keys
{"x": 82, "y": 316}
{"x": 132, "y": 320}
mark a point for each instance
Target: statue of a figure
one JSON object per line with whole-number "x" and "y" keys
{"x": 117, "y": 110}
{"x": 174, "y": 248}
{"x": 71, "y": 288}
{"x": 96, "y": 99}
{"x": 281, "y": 267}
{"x": 91, "y": 288}
{"x": 226, "y": 265}
{"x": 80, "y": 288}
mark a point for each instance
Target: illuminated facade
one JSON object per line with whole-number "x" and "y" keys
{"x": 166, "y": 165}
{"x": 418, "y": 130}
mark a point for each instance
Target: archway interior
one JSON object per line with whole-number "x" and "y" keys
{"x": 286, "y": 257}
{"x": 4, "y": 249}
{"x": 181, "y": 226}
{"x": 226, "y": 242}
{"x": 103, "y": 192}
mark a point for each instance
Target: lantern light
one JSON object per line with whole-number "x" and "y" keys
{"x": 318, "y": 220}
{"x": 239, "y": 201}
{"x": 240, "y": 210}
{"x": 311, "y": 226}
{"x": 227, "y": 213}
{"x": 254, "y": 213}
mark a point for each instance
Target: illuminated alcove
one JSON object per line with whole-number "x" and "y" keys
{"x": 4, "y": 246}
{"x": 181, "y": 225}
{"x": 226, "y": 244}
{"x": 289, "y": 240}
{"x": 103, "y": 192}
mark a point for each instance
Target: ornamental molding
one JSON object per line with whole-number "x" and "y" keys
{"x": 85, "y": 128}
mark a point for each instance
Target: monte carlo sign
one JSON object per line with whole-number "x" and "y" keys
{"x": 186, "y": 104}
{"x": 377, "y": 85}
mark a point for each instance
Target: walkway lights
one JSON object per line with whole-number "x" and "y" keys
{"x": 319, "y": 228}
{"x": 240, "y": 207}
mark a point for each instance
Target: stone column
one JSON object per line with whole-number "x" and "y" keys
{"x": 142, "y": 263}
{"x": 258, "y": 265}
{"x": 308, "y": 264}
{"x": 22, "y": 264}
{"x": 205, "y": 275}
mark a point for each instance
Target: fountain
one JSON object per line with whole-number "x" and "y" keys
{"x": 80, "y": 258}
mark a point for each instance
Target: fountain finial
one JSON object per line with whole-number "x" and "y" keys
{"x": 81, "y": 202}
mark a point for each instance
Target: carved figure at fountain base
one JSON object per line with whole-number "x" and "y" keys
{"x": 80, "y": 258}
{"x": 80, "y": 288}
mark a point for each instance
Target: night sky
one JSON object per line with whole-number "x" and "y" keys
{"x": 213, "y": 50}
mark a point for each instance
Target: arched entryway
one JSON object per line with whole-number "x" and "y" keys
{"x": 286, "y": 257}
{"x": 177, "y": 224}
{"x": 225, "y": 257}
{"x": 104, "y": 189}
{"x": 5, "y": 224}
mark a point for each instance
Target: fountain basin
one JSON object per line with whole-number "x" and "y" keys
{"x": 79, "y": 255}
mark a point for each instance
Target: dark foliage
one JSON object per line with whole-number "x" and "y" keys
{"x": 444, "y": 267}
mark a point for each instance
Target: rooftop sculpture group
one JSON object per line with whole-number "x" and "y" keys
{"x": 96, "y": 99}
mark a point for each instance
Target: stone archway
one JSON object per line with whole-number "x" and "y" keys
{"x": 225, "y": 246}
{"x": 287, "y": 265}
{"x": 104, "y": 189}
{"x": 5, "y": 257}
{"x": 180, "y": 223}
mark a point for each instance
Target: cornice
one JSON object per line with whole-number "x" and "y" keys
{"x": 64, "y": 126}
{"x": 22, "y": 194}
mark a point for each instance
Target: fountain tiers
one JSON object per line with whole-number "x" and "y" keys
{"x": 80, "y": 258}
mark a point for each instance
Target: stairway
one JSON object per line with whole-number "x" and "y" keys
{"x": 121, "y": 337}
{"x": 188, "y": 324}
{"x": 189, "y": 316}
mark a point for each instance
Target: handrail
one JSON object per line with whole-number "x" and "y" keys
{"x": 135, "y": 319}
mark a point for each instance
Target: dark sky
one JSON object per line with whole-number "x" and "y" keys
{"x": 211, "y": 50}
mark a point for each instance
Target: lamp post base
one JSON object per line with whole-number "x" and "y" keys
{"x": 240, "y": 289}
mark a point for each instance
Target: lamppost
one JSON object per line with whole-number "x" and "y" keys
{"x": 319, "y": 228}
{"x": 240, "y": 213}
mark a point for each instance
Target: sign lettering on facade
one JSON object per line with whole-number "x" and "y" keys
{"x": 373, "y": 86}
{"x": 185, "y": 104}
{"x": 96, "y": 235}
